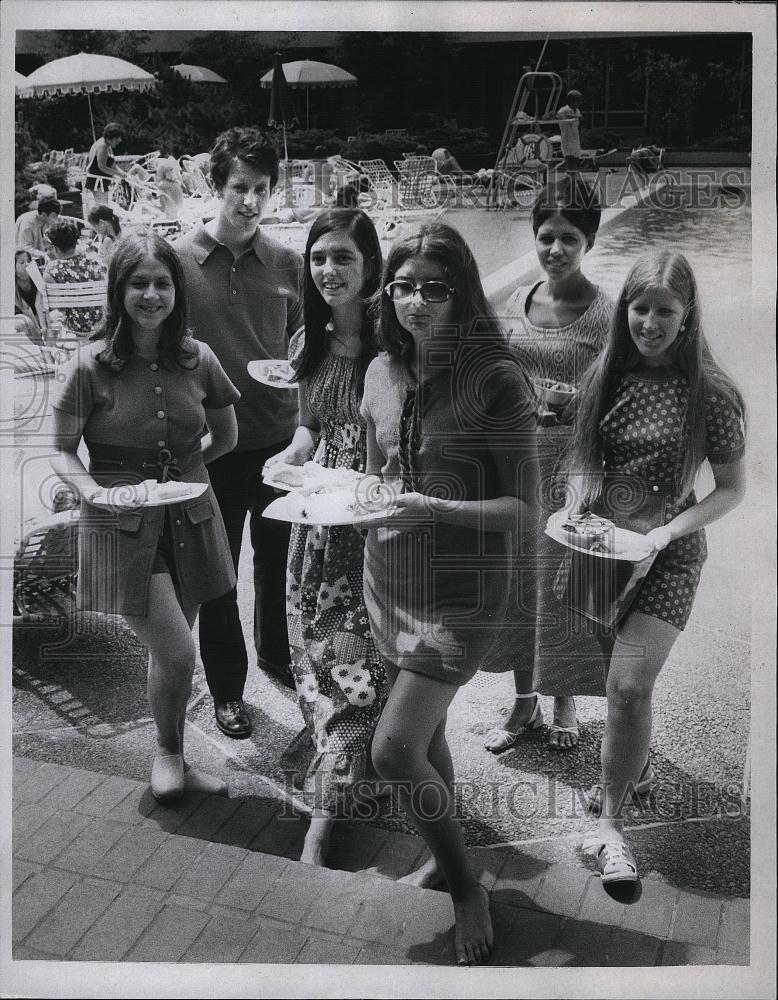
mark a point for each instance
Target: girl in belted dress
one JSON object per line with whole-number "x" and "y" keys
{"x": 340, "y": 679}
{"x": 650, "y": 410}
{"x": 451, "y": 432}
{"x": 140, "y": 395}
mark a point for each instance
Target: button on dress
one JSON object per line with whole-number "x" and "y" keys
{"x": 128, "y": 442}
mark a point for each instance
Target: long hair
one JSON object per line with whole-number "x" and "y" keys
{"x": 480, "y": 351}
{"x": 317, "y": 313}
{"x": 176, "y": 347}
{"x": 691, "y": 355}
{"x": 474, "y": 318}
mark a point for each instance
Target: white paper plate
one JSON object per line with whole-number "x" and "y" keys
{"x": 119, "y": 497}
{"x": 272, "y": 373}
{"x": 329, "y": 508}
{"x": 628, "y": 546}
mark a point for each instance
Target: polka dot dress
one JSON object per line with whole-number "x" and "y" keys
{"x": 341, "y": 683}
{"x": 641, "y": 435}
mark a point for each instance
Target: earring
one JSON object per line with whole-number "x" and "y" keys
{"x": 683, "y": 327}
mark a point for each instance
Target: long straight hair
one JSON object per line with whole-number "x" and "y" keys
{"x": 317, "y": 314}
{"x": 691, "y": 354}
{"x": 176, "y": 347}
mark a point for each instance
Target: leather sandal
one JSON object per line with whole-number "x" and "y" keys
{"x": 499, "y": 740}
{"x": 645, "y": 783}
{"x": 615, "y": 861}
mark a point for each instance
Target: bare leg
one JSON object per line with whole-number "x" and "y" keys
{"x": 429, "y": 876}
{"x": 317, "y": 839}
{"x": 564, "y": 718}
{"x": 640, "y": 652}
{"x": 416, "y": 707}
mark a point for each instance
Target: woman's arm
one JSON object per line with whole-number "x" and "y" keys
{"x": 222, "y": 433}
{"x": 728, "y": 492}
{"x": 66, "y": 463}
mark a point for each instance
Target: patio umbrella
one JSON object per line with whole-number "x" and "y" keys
{"x": 308, "y": 73}
{"x": 20, "y": 82}
{"x": 197, "y": 74}
{"x": 86, "y": 73}
{"x": 281, "y": 107}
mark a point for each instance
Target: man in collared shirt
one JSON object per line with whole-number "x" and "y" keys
{"x": 245, "y": 300}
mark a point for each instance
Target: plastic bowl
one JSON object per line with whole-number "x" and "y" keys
{"x": 554, "y": 393}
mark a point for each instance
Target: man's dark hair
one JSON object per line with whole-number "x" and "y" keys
{"x": 247, "y": 144}
{"x": 49, "y": 206}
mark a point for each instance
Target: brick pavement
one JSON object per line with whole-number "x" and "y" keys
{"x": 101, "y": 872}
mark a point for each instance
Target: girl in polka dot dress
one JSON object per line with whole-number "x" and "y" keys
{"x": 340, "y": 680}
{"x": 651, "y": 409}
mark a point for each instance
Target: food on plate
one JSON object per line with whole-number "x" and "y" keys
{"x": 287, "y": 475}
{"x": 553, "y": 392}
{"x": 588, "y": 531}
{"x": 335, "y": 494}
{"x": 167, "y": 491}
{"x": 279, "y": 371}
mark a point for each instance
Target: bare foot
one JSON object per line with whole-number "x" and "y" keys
{"x": 473, "y": 934}
{"x": 429, "y": 876}
{"x": 317, "y": 841}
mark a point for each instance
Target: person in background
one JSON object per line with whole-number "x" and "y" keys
{"x": 71, "y": 265}
{"x": 106, "y": 224}
{"x": 245, "y": 299}
{"x": 446, "y": 163}
{"x": 101, "y": 163}
{"x": 169, "y": 183}
{"x": 31, "y": 226}
{"x": 27, "y": 302}
{"x": 573, "y": 107}
{"x": 556, "y": 328}
{"x": 319, "y": 172}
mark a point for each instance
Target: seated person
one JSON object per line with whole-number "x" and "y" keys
{"x": 106, "y": 224}
{"x": 69, "y": 265}
{"x": 169, "y": 184}
{"x": 28, "y": 309}
{"x": 645, "y": 160}
{"x": 447, "y": 164}
{"x": 31, "y": 226}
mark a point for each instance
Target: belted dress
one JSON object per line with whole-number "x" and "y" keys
{"x": 146, "y": 421}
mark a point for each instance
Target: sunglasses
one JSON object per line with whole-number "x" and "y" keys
{"x": 431, "y": 291}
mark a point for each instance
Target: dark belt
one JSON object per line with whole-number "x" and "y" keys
{"x": 162, "y": 461}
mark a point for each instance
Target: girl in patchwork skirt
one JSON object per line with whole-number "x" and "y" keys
{"x": 339, "y": 677}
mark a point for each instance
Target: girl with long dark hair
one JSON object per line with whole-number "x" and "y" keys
{"x": 451, "y": 430}
{"x": 339, "y": 677}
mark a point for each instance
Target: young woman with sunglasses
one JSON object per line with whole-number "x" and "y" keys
{"x": 451, "y": 434}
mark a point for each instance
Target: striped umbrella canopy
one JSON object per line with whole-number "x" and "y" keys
{"x": 86, "y": 73}
{"x": 309, "y": 73}
{"x": 197, "y": 74}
